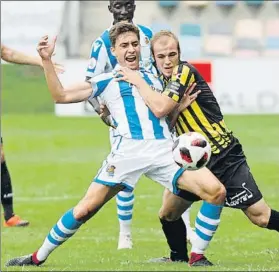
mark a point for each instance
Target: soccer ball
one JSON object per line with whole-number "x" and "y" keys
{"x": 191, "y": 150}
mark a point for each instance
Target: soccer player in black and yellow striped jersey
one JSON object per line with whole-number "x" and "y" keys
{"x": 204, "y": 114}
{"x": 228, "y": 161}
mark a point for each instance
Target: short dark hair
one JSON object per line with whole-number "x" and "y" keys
{"x": 111, "y": 1}
{"x": 120, "y": 28}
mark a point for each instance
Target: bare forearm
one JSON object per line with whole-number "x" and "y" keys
{"x": 13, "y": 56}
{"x": 173, "y": 116}
{"x": 75, "y": 93}
{"x": 159, "y": 104}
{"x": 54, "y": 85}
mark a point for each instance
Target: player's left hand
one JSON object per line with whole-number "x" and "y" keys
{"x": 104, "y": 111}
{"x": 188, "y": 98}
{"x": 126, "y": 74}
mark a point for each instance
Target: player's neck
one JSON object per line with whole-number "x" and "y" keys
{"x": 115, "y": 22}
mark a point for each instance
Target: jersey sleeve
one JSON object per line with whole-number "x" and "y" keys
{"x": 99, "y": 84}
{"x": 98, "y": 59}
{"x": 182, "y": 77}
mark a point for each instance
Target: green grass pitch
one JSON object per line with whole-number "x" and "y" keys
{"x": 53, "y": 160}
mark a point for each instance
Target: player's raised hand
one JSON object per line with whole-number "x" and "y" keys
{"x": 126, "y": 74}
{"x": 188, "y": 97}
{"x": 46, "y": 48}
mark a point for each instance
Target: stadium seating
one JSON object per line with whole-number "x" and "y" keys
{"x": 226, "y": 3}
{"x": 188, "y": 29}
{"x": 168, "y": 4}
{"x": 197, "y": 4}
{"x": 248, "y": 37}
{"x": 247, "y": 47}
{"x": 190, "y": 41}
{"x": 254, "y": 3}
{"x": 249, "y": 28}
{"x": 272, "y": 28}
{"x": 272, "y": 42}
{"x": 157, "y": 26}
{"x": 272, "y": 38}
{"x": 218, "y": 40}
{"x": 220, "y": 28}
{"x": 218, "y": 45}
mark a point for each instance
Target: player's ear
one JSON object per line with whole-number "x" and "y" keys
{"x": 112, "y": 49}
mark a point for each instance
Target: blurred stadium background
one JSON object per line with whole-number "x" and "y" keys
{"x": 235, "y": 45}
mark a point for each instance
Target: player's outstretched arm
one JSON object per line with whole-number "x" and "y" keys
{"x": 13, "y": 56}
{"x": 160, "y": 105}
{"x": 76, "y": 93}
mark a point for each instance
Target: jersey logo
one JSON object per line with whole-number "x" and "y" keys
{"x": 177, "y": 75}
{"x": 146, "y": 40}
{"x": 97, "y": 45}
{"x": 110, "y": 170}
{"x": 92, "y": 63}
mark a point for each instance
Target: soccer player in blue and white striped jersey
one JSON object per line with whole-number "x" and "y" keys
{"x": 102, "y": 60}
{"x": 144, "y": 146}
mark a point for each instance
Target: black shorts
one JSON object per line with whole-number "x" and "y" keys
{"x": 231, "y": 168}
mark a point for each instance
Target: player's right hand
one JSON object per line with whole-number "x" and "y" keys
{"x": 46, "y": 48}
{"x": 188, "y": 97}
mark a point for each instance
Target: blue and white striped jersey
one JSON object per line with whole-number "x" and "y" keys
{"x": 133, "y": 118}
{"x": 102, "y": 60}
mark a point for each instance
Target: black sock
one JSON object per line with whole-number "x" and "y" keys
{"x": 175, "y": 233}
{"x": 273, "y": 223}
{"x": 6, "y": 192}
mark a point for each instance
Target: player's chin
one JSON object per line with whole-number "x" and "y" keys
{"x": 167, "y": 72}
{"x": 133, "y": 65}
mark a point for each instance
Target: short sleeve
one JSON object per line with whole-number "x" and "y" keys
{"x": 99, "y": 84}
{"x": 182, "y": 77}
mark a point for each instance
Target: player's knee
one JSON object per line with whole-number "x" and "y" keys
{"x": 218, "y": 195}
{"x": 86, "y": 208}
{"x": 259, "y": 213}
{"x": 168, "y": 214}
{"x": 260, "y": 220}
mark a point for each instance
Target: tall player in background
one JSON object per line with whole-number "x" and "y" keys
{"x": 102, "y": 60}
{"x": 12, "y": 220}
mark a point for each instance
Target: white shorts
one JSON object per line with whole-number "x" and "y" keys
{"x": 129, "y": 159}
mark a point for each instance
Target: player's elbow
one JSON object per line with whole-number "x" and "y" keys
{"x": 7, "y": 54}
{"x": 161, "y": 110}
{"x": 159, "y": 113}
{"x": 59, "y": 98}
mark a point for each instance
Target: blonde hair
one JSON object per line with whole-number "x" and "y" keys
{"x": 164, "y": 33}
{"x": 120, "y": 28}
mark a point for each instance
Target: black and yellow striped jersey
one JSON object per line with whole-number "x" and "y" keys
{"x": 204, "y": 114}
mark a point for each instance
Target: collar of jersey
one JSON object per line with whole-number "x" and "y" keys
{"x": 116, "y": 68}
